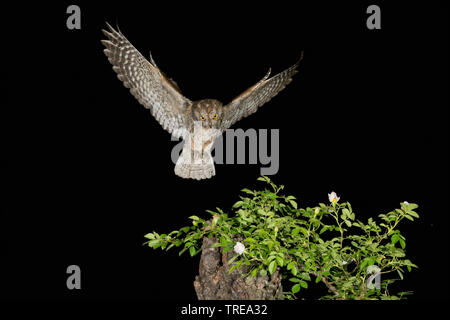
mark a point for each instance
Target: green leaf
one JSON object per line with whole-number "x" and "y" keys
{"x": 395, "y": 238}
{"x": 305, "y": 276}
{"x": 194, "y": 218}
{"x": 396, "y": 252}
{"x": 400, "y": 274}
{"x": 152, "y": 243}
{"x": 263, "y": 272}
{"x": 238, "y": 204}
{"x": 409, "y": 264}
{"x": 227, "y": 249}
{"x": 402, "y": 243}
{"x": 280, "y": 261}
{"x": 272, "y": 266}
{"x": 290, "y": 265}
{"x": 304, "y": 231}
{"x": 304, "y": 284}
{"x": 271, "y": 195}
{"x": 367, "y": 262}
{"x": 295, "y": 288}
{"x": 185, "y": 229}
{"x": 293, "y": 203}
{"x": 192, "y": 251}
{"x": 294, "y": 271}
{"x": 324, "y": 228}
{"x": 248, "y": 191}
{"x": 345, "y": 213}
{"x": 294, "y": 280}
{"x": 413, "y": 213}
{"x": 250, "y": 240}
{"x": 150, "y": 236}
{"x": 348, "y": 223}
{"x": 298, "y": 229}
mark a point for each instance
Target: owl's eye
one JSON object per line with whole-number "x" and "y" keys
{"x": 216, "y": 116}
{"x": 202, "y": 118}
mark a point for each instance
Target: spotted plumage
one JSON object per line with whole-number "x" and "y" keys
{"x": 199, "y": 123}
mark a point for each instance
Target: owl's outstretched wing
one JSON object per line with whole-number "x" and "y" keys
{"x": 147, "y": 83}
{"x": 254, "y": 97}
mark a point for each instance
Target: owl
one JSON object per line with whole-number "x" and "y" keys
{"x": 198, "y": 123}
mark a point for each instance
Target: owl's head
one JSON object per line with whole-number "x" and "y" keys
{"x": 208, "y": 111}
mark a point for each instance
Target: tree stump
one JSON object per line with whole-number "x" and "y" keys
{"x": 215, "y": 283}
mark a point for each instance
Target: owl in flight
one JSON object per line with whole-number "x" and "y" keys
{"x": 200, "y": 122}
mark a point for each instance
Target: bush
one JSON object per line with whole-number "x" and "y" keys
{"x": 323, "y": 244}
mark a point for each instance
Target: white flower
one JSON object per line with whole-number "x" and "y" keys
{"x": 317, "y": 210}
{"x": 239, "y": 248}
{"x": 406, "y": 202}
{"x": 333, "y": 197}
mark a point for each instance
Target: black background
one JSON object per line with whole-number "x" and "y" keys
{"x": 88, "y": 169}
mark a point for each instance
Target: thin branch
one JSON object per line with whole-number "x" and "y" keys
{"x": 329, "y": 285}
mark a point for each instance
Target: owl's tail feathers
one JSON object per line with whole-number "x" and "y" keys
{"x": 198, "y": 171}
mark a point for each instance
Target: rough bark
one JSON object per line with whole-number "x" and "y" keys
{"x": 215, "y": 283}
